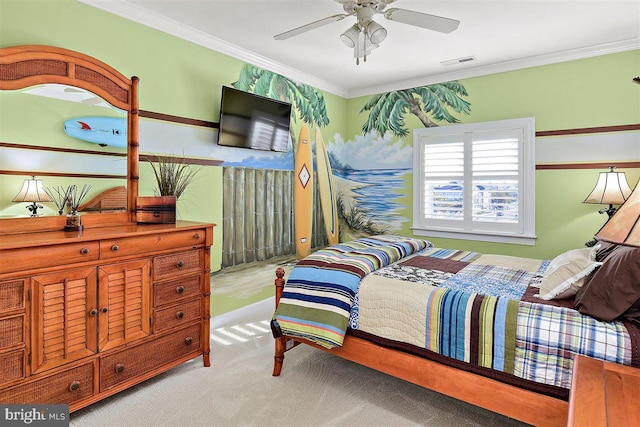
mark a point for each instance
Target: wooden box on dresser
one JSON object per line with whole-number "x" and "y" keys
{"x": 84, "y": 315}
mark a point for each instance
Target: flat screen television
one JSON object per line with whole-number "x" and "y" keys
{"x": 252, "y": 121}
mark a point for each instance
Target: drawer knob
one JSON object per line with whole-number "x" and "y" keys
{"x": 180, "y": 264}
{"x": 119, "y": 368}
{"x": 84, "y": 251}
{"x": 115, "y": 248}
{"x": 196, "y": 236}
{"x": 104, "y": 309}
{"x": 188, "y": 341}
{"x": 74, "y": 386}
{"x": 93, "y": 312}
{"x": 180, "y": 289}
{"x": 180, "y": 315}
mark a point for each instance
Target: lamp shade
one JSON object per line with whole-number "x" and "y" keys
{"x": 350, "y": 37}
{"x": 612, "y": 188}
{"x": 377, "y": 33}
{"x": 624, "y": 226}
{"x": 32, "y": 191}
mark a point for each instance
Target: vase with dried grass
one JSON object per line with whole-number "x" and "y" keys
{"x": 173, "y": 175}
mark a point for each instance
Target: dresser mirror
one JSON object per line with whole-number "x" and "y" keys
{"x": 41, "y": 88}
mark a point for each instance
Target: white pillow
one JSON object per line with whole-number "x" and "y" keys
{"x": 566, "y": 273}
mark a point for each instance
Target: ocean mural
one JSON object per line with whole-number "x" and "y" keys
{"x": 370, "y": 182}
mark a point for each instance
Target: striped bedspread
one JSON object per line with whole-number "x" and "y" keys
{"x": 319, "y": 293}
{"x": 469, "y": 307}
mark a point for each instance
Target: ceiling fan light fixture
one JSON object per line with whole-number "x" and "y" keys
{"x": 350, "y": 37}
{"x": 377, "y": 33}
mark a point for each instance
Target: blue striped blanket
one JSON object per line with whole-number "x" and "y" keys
{"x": 317, "y": 298}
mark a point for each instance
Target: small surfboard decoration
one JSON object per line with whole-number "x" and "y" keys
{"x": 303, "y": 194}
{"x": 327, "y": 190}
{"x": 98, "y": 130}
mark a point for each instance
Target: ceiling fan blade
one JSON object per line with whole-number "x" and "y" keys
{"x": 423, "y": 20}
{"x": 310, "y": 26}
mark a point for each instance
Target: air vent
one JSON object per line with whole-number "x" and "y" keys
{"x": 459, "y": 61}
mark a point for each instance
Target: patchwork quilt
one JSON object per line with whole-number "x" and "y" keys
{"x": 466, "y": 306}
{"x": 469, "y": 307}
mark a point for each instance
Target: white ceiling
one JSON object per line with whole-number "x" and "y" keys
{"x": 502, "y": 35}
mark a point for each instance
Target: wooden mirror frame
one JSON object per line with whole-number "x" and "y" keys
{"x": 29, "y": 65}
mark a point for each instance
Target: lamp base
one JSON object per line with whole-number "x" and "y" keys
{"x": 609, "y": 211}
{"x": 33, "y": 208}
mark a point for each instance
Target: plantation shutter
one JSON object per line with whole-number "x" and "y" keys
{"x": 443, "y": 180}
{"x": 473, "y": 180}
{"x": 495, "y": 169}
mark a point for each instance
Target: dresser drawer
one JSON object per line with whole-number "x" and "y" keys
{"x": 168, "y": 266}
{"x": 113, "y": 248}
{"x": 170, "y": 292}
{"x": 11, "y": 366}
{"x": 11, "y": 331}
{"x": 177, "y": 315}
{"x": 11, "y": 295}
{"x": 29, "y": 259}
{"x": 148, "y": 357}
{"x": 64, "y": 387}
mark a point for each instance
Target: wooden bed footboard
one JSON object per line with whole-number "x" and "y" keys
{"x": 511, "y": 401}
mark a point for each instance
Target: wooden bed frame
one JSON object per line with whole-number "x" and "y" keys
{"x": 114, "y": 198}
{"x": 511, "y": 401}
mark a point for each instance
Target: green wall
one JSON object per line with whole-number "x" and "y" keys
{"x": 184, "y": 79}
{"x": 584, "y": 93}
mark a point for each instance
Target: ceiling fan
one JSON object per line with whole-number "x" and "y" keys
{"x": 366, "y": 34}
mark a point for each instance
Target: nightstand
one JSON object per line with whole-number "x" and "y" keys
{"x": 604, "y": 394}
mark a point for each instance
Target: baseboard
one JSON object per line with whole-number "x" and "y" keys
{"x": 241, "y": 314}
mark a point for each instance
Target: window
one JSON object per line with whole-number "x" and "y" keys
{"x": 268, "y": 132}
{"x": 476, "y": 181}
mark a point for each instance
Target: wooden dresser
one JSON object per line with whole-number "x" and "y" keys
{"x": 84, "y": 315}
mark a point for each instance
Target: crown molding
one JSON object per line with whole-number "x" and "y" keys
{"x": 501, "y": 67}
{"x": 142, "y": 16}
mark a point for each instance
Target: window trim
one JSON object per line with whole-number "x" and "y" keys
{"x": 526, "y": 235}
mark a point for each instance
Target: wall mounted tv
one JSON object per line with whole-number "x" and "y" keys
{"x": 252, "y": 121}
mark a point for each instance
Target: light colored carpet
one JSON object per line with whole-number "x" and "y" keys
{"x": 314, "y": 389}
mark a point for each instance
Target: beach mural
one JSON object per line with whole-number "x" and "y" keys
{"x": 375, "y": 166}
{"x": 372, "y": 170}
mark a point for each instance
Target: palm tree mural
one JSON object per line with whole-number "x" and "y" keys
{"x": 307, "y": 101}
{"x": 387, "y": 114}
{"x": 387, "y": 111}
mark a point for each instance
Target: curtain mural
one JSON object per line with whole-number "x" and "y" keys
{"x": 258, "y": 218}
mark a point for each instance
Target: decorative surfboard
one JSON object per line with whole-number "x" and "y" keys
{"x": 327, "y": 190}
{"x": 99, "y": 130}
{"x": 303, "y": 193}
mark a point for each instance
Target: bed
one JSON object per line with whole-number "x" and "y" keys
{"x": 499, "y": 332}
